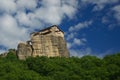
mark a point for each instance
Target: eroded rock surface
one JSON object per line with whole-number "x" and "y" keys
{"x": 24, "y": 51}
{"x": 48, "y": 42}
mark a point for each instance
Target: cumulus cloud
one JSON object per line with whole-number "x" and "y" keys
{"x": 26, "y": 4}
{"x": 81, "y": 52}
{"x": 10, "y": 33}
{"x": 60, "y": 9}
{"x": 80, "y": 26}
{"x": 72, "y": 33}
{"x": 2, "y": 51}
{"x": 75, "y": 41}
{"x": 117, "y": 12}
{"x": 7, "y": 6}
{"x": 19, "y": 17}
{"x": 113, "y": 12}
{"x": 99, "y": 4}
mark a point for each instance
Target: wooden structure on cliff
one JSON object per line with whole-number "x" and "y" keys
{"x": 48, "y": 42}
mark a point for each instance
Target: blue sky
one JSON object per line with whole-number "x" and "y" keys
{"x": 92, "y": 27}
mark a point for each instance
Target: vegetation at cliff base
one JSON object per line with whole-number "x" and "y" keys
{"x": 56, "y": 68}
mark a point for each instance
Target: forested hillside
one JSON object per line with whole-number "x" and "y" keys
{"x": 73, "y": 68}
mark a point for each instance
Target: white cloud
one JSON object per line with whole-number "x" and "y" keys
{"x": 74, "y": 41}
{"x": 107, "y": 52}
{"x": 114, "y": 12}
{"x": 8, "y": 6}
{"x": 19, "y": 17}
{"x": 100, "y": 4}
{"x": 69, "y": 45}
{"x": 26, "y": 4}
{"x": 51, "y": 15}
{"x": 77, "y": 41}
{"x": 10, "y": 33}
{"x": 28, "y": 20}
{"x": 105, "y": 19}
{"x": 2, "y": 51}
{"x": 55, "y": 10}
{"x": 117, "y": 12}
{"x": 80, "y": 26}
{"x": 70, "y": 35}
{"x": 81, "y": 52}
{"x": 76, "y": 53}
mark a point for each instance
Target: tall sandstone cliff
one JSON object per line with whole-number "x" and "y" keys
{"x": 49, "y": 42}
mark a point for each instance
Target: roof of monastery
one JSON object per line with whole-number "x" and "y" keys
{"x": 48, "y": 29}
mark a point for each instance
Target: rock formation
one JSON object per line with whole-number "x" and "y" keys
{"x": 48, "y": 42}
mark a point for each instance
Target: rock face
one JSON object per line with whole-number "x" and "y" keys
{"x": 49, "y": 42}
{"x": 24, "y": 50}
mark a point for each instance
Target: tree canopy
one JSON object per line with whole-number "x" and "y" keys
{"x": 60, "y": 68}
